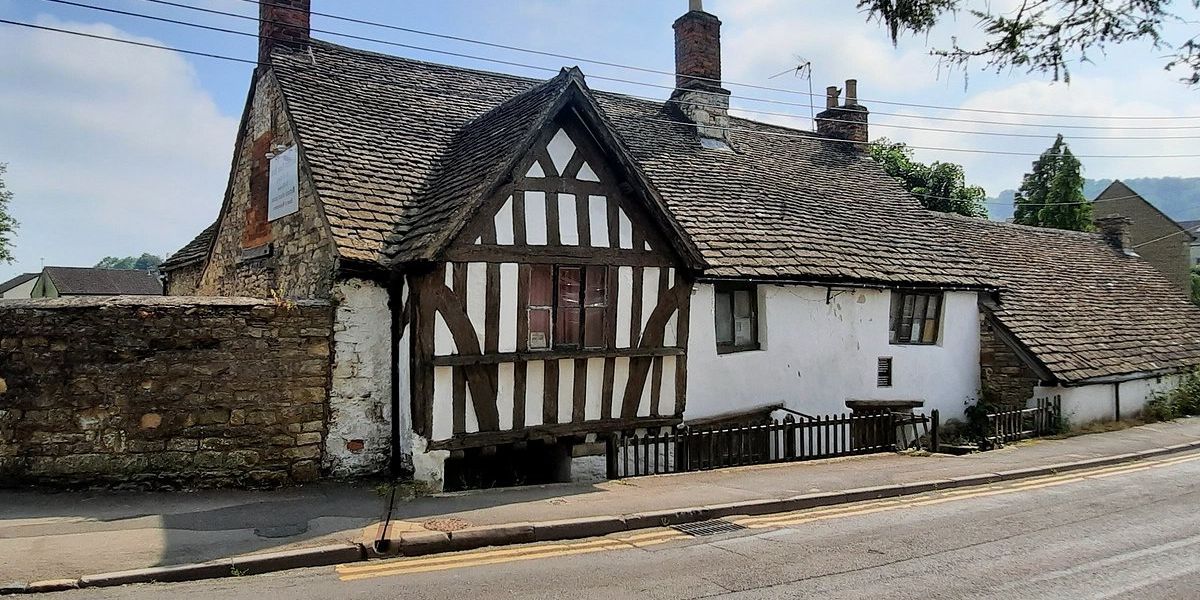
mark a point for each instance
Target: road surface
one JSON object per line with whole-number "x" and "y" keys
{"x": 1129, "y": 531}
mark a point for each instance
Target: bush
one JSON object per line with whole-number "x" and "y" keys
{"x": 1181, "y": 401}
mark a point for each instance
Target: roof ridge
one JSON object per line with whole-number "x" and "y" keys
{"x": 1031, "y": 228}
{"x": 395, "y": 57}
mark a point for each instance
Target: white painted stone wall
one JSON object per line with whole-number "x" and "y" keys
{"x": 816, "y": 356}
{"x": 359, "y": 439}
{"x": 1097, "y": 402}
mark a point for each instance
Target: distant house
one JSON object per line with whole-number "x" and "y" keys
{"x": 1152, "y": 234}
{"x": 1193, "y": 228}
{"x": 55, "y": 282}
{"x": 18, "y": 287}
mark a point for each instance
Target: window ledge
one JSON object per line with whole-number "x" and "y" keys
{"x": 738, "y": 349}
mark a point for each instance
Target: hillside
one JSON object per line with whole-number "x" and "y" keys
{"x": 1178, "y": 197}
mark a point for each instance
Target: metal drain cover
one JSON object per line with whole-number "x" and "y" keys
{"x": 713, "y": 527}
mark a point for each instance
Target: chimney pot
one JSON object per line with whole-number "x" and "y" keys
{"x": 696, "y": 5}
{"x": 282, "y": 23}
{"x": 831, "y": 97}
{"x": 851, "y": 92}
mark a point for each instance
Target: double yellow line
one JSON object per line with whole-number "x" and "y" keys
{"x": 809, "y": 516}
{"x": 482, "y": 557}
{"x": 477, "y": 558}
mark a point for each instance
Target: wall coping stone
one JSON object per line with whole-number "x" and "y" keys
{"x": 155, "y": 301}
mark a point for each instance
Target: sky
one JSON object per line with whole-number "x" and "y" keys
{"x": 119, "y": 150}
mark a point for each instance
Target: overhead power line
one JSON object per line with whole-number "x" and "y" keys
{"x": 660, "y": 71}
{"x": 554, "y": 70}
{"x": 797, "y": 134}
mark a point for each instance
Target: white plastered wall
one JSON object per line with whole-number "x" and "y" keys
{"x": 1097, "y": 402}
{"x": 359, "y": 437}
{"x": 816, "y": 355}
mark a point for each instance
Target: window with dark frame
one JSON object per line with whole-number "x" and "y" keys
{"x": 915, "y": 317}
{"x": 567, "y": 307}
{"x": 736, "y": 317}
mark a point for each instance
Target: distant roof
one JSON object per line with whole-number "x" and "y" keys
{"x": 15, "y": 281}
{"x": 193, "y": 252}
{"x": 1082, "y": 308}
{"x": 1193, "y": 227}
{"x": 782, "y": 205}
{"x": 90, "y": 281}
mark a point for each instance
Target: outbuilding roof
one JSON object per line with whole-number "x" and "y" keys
{"x": 90, "y": 281}
{"x": 15, "y": 281}
{"x": 1084, "y": 309}
{"x": 395, "y": 148}
{"x": 195, "y": 250}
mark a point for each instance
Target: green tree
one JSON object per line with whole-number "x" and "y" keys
{"x": 145, "y": 262}
{"x": 1052, "y": 194}
{"x": 939, "y": 186}
{"x": 1046, "y": 36}
{"x": 8, "y": 225}
{"x": 1196, "y": 284}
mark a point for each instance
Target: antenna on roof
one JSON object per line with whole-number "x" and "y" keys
{"x": 803, "y": 70}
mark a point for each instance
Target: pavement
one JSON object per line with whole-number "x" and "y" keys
{"x": 49, "y": 536}
{"x": 1118, "y": 531}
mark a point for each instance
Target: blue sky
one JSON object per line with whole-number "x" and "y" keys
{"x": 116, "y": 150}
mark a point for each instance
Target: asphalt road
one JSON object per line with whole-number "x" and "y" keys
{"x": 1131, "y": 531}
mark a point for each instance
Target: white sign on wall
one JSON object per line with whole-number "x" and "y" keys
{"x": 283, "y": 197}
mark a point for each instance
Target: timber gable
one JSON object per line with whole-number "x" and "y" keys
{"x": 491, "y": 360}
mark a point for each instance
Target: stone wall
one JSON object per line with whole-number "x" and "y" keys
{"x": 292, "y": 256}
{"x": 1005, "y": 378}
{"x": 1154, "y": 236}
{"x": 159, "y": 391}
{"x": 183, "y": 281}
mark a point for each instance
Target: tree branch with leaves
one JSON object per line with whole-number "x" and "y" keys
{"x": 8, "y": 225}
{"x": 938, "y": 186}
{"x": 1047, "y": 36}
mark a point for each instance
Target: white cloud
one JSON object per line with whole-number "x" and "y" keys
{"x": 112, "y": 149}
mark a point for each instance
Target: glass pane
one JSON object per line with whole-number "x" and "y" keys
{"x": 593, "y": 328}
{"x": 541, "y": 286}
{"x": 539, "y": 328}
{"x": 742, "y": 304}
{"x": 596, "y": 291}
{"x": 919, "y": 304}
{"x": 568, "y": 287}
{"x": 931, "y": 320}
{"x": 743, "y": 332}
{"x": 567, "y": 328}
{"x": 906, "y": 318}
{"x": 724, "y": 318}
{"x": 894, "y": 323}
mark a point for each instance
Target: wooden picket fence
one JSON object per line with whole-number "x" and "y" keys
{"x": 790, "y": 439}
{"x": 1019, "y": 424}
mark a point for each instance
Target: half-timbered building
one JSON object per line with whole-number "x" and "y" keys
{"x": 525, "y": 265}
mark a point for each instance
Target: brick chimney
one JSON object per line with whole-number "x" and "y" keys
{"x": 844, "y": 121}
{"x": 698, "y": 92}
{"x": 282, "y": 23}
{"x": 1115, "y": 228}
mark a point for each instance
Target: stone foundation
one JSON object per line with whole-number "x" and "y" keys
{"x": 155, "y": 391}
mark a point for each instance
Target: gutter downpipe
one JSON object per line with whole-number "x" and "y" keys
{"x": 396, "y": 308}
{"x": 1117, "y": 399}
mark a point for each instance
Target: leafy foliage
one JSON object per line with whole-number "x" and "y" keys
{"x": 1052, "y": 194}
{"x": 145, "y": 262}
{"x": 1179, "y": 402}
{"x": 1046, "y": 36}
{"x": 939, "y": 186}
{"x": 1196, "y": 284}
{"x": 8, "y": 225}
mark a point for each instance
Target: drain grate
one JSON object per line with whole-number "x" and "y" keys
{"x": 713, "y": 527}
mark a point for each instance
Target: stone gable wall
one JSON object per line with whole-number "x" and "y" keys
{"x": 163, "y": 391}
{"x": 301, "y": 258}
{"x": 1157, "y": 238}
{"x": 1006, "y": 379}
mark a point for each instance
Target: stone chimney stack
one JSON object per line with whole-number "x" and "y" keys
{"x": 282, "y": 23}
{"x": 698, "y": 92}
{"x": 844, "y": 121}
{"x": 1115, "y": 228}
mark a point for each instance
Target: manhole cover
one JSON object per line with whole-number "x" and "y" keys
{"x": 713, "y": 527}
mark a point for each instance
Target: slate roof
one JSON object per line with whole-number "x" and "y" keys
{"x": 1083, "y": 308}
{"x": 386, "y": 139}
{"x": 15, "y": 281}
{"x": 89, "y": 281}
{"x": 195, "y": 250}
